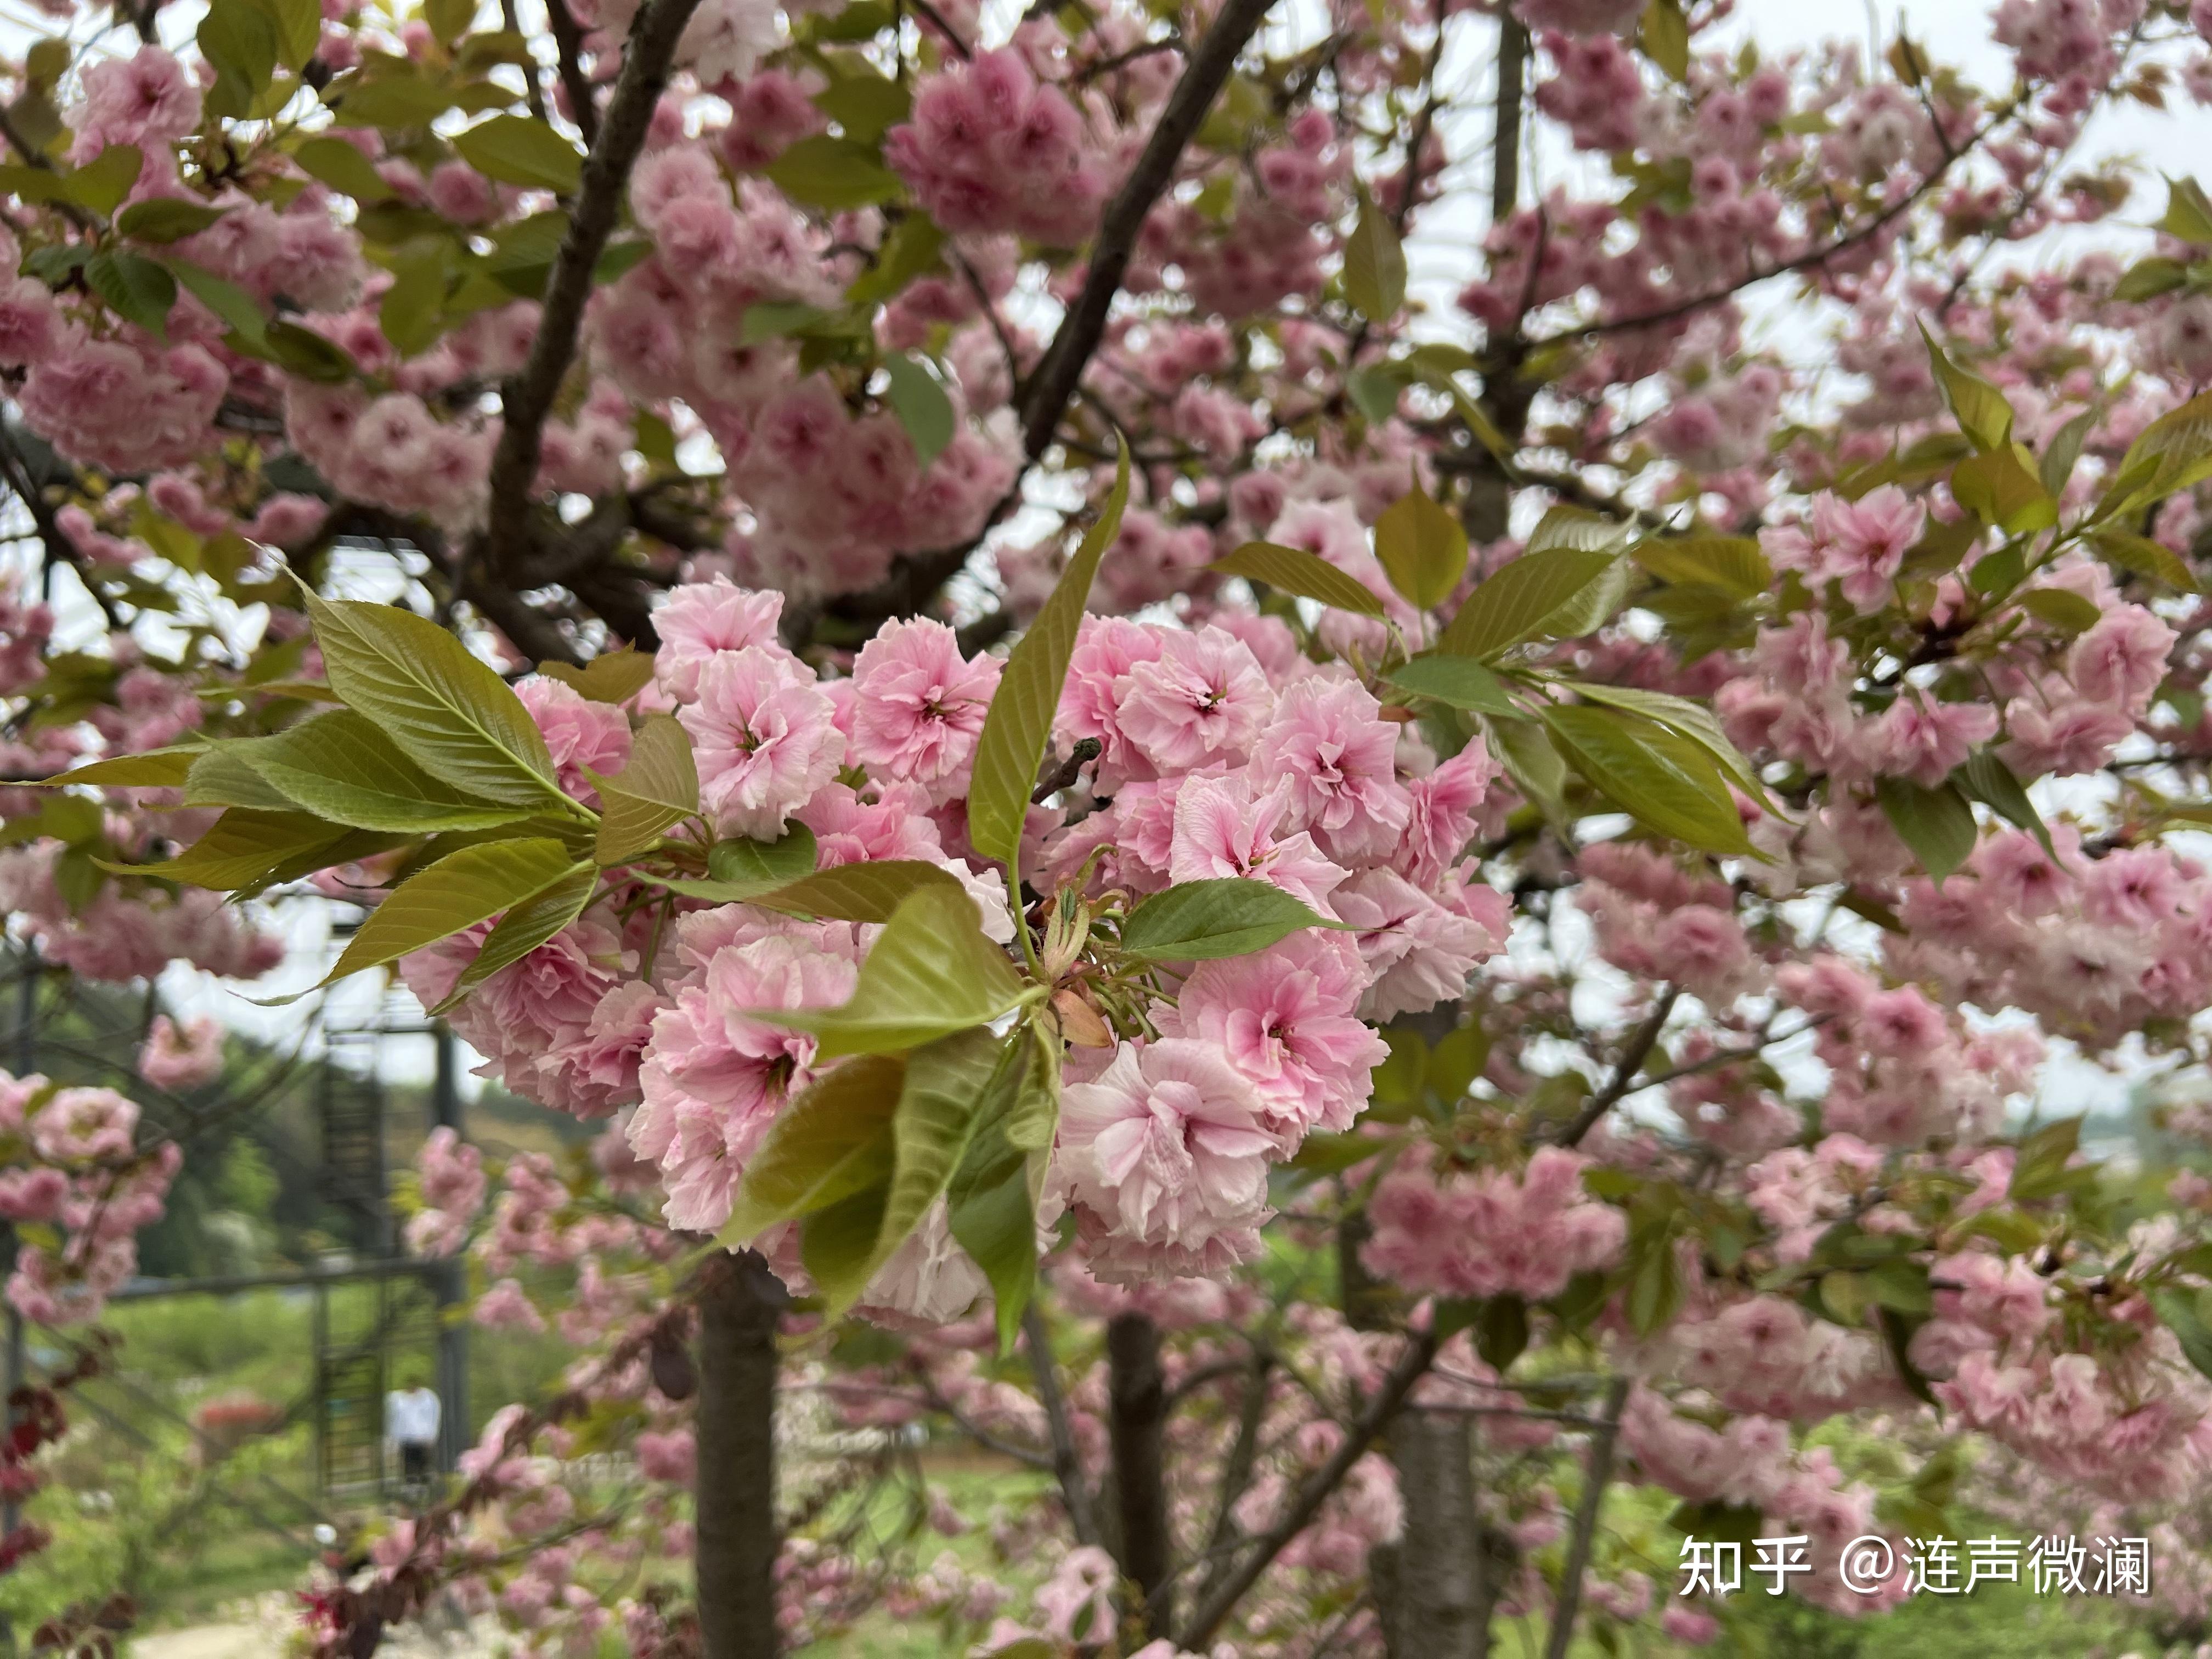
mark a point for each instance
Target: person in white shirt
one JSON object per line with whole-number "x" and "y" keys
{"x": 411, "y": 1423}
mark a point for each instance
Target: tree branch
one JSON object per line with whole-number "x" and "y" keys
{"x": 527, "y": 398}
{"x": 1066, "y": 1464}
{"x": 569, "y": 40}
{"x": 1220, "y": 1601}
{"x": 60, "y": 548}
{"x": 1084, "y": 326}
{"x": 1640, "y": 1045}
{"x": 1594, "y": 1481}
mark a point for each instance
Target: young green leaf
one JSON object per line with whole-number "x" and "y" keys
{"x": 1374, "y": 264}
{"x": 921, "y": 407}
{"x": 778, "y": 863}
{"x": 1937, "y": 825}
{"x": 990, "y": 1203}
{"x": 932, "y": 973}
{"x": 1734, "y": 564}
{"x": 1525, "y": 600}
{"x": 240, "y": 849}
{"x": 832, "y": 1141}
{"x": 1692, "y": 720}
{"x": 1462, "y": 681}
{"x": 102, "y": 182}
{"x": 1979, "y": 408}
{"x": 834, "y": 173}
{"x": 1422, "y": 548}
{"x": 340, "y": 766}
{"x": 134, "y": 289}
{"x": 1020, "y": 724}
{"x": 1660, "y": 778}
{"x": 613, "y": 677}
{"x": 167, "y": 219}
{"x": 2145, "y": 557}
{"x": 449, "y": 712}
{"x": 520, "y": 149}
{"x": 222, "y": 777}
{"x": 459, "y": 890}
{"x": 659, "y": 786}
{"x": 343, "y": 167}
{"x": 1294, "y": 570}
{"x": 525, "y": 927}
{"x": 1999, "y": 487}
{"x": 1201, "y": 921}
{"x": 951, "y": 1085}
{"x": 837, "y": 1243}
{"x": 157, "y": 768}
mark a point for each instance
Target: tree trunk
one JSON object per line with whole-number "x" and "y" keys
{"x": 1437, "y": 1609}
{"x": 735, "y": 1562}
{"x": 1137, "y": 1421}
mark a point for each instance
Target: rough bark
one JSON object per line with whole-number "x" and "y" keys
{"x": 735, "y": 1558}
{"x": 1437, "y": 1609}
{"x": 1136, "y": 1425}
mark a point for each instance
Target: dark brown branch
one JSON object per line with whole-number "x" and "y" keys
{"x": 527, "y": 398}
{"x": 32, "y": 156}
{"x": 935, "y": 19}
{"x": 1136, "y": 1423}
{"x": 1066, "y": 1462}
{"x": 1595, "y": 1479}
{"x": 533, "y": 90}
{"x": 1084, "y": 326}
{"x": 1505, "y": 133}
{"x": 739, "y": 1304}
{"x": 1221, "y": 1600}
{"x": 1641, "y": 1041}
{"x": 569, "y": 41}
{"x": 60, "y": 548}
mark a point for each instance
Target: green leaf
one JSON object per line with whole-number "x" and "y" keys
{"x": 2148, "y": 279}
{"x": 167, "y": 219}
{"x": 239, "y": 40}
{"x": 1990, "y": 782}
{"x": 2145, "y": 557}
{"x": 2063, "y": 450}
{"x": 1422, "y": 548}
{"x": 306, "y": 354}
{"x": 2181, "y": 1311}
{"x": 909, "y": 248}
{"x": 1691, "y": 719}
{"x": 1662, "y": 779}
{"x": 411, "y": 312}
{"x": 862, "y": 100}
{"x": 1655, "y": 1288}
{"x": 990, "y": 1202}
{"x": 343, "y": 768}
{"x": 2173, "y": 452}
{"x": 525, "y": 927}
{"x": 951, "y": 1085}
{"x": 1462, "y": 681}
{"x": 1294, "y": 570}
{"x": 1501, "y": 1332}
{"x": 659, "y": 786}
{"x": 343, "y": 167}
{"x": 2188, "y": 213}
{"x": 2061, "y": 608}
{"x": 921, "y": 407}
{"x": 228, "y": 301}
{"x": 1201, "y": 921}
{"x": 223, "y": 777}
{"x": 449, "y": 20}
{"x": 837, "y": 1243}
{"x": 1019, "y": 723}
{"x": 777, "y": 864}
{"x": 134, "y": 289}
{"x": 611, "y": 677}
{"x": 1533, "y": 762}
{"x": 459, "y": 890}
{"x": 403, "y": 100}
{"x": 1937, "y": 825}
{"x": 1664, "y": 35}
{"x": 931, "y": 974}
{"x": 521, "y": 149}
{"x": 1734, "y": 564}
{"x": 832, "y": 1141}
{"x": 870, "y": 891}
{"x": 834, "y": 173}
{"x": 1526, "y": 600}
{"x": 157, "y": 768}
{"x": 450, "y": 714}
{"x": 1374, "y": 264}
{"x": 240, "y": 848}
{"x": 2000, "y": 486}
{"x": 1375, "y": 389}
{"x": 1979, "y": 408}
{"x": 299, "y": 28}
{"x": 2039, "y": 1166}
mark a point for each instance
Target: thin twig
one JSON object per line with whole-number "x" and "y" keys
{"x": 1217, "y": 1605}
{"x": 1640, "y": 1045}
{"x": 569, "y": 41}
{"x": 1594, "y": 1481}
